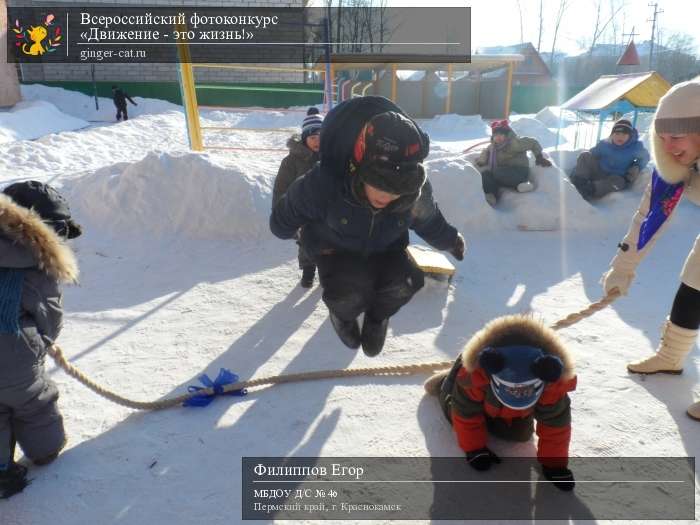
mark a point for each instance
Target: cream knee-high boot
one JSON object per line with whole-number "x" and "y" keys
{"x": 676, "y": 343}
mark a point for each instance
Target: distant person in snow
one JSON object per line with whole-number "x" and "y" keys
{"x": 511, "y": 374}
{"x": 355, "y": 209}
{"x": 303, "y": 155}
{"x": 675, "y": 139}
{"x": 35, "y": 222}
{"x": 612, "y": 165}
{"x": 504, "y": 163}
{"x": 120, "y": 97}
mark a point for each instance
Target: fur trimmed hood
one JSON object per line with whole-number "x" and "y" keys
{"x": 25, "y": 227}
{"x": 517, "y": 329}
{"x": 298, "y": 149}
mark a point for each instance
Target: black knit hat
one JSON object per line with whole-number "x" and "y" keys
{"x": 622, "y": 126}
{"x": 48, "y": 203}
{"x": 388, "y": 152}
{"x": 312, "y": 123}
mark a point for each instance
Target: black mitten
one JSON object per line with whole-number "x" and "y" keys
{"x": 562, "y": 477}
{"x": 482, "y": 459}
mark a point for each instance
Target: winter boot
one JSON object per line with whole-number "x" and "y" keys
{"x": 13, "y": 479}
{"x": 694, "y": 411}
{"x": 491, "y": 199}
{"x": 525, "y": 187}
{"x": 676, "y": 343}
{"x": 373, "y": 335}
{"x": 434, "y": 382}
{"x": 348, "y": 331}
{"x": 307, "y": 276}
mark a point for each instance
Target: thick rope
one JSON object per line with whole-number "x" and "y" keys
{"x": 395, "y": 370}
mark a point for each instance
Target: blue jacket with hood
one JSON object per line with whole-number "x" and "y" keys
{"x": 616, "y": 160}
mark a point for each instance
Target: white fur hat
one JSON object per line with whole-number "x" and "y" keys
{"x": 679, "y": 109}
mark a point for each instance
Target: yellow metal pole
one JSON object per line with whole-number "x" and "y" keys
{"x": 332, "y": 90}
{"x": 189, "y": 95}
{"x": 393, "y": 83}
{"x": 509, "y": 89}
{"x": 448, "y": 100}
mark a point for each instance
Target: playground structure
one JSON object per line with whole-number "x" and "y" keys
{"x": 615, "y": 95}
{"x": 195, "y": 129}
{"x": 424, "y": 85}
{"x": 429, "y": 85}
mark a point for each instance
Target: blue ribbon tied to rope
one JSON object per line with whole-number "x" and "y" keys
{"x": 225, "y": 377}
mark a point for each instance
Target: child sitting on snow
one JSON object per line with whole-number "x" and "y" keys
{"x": 612, "y": 165}
{"x": 505, "y": 161}
{"x": 34, "y": 259}
{"x": 513, "y": 371}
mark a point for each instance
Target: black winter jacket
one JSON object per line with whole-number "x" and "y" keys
{"x": 120, "y": 97}
{"x": 335, "y": 219}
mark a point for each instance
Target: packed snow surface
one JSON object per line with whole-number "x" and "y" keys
{"x": 180, "y": 276}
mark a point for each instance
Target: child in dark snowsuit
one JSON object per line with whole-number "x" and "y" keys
{"x": 504, "y": 163}
{"x": 120, "y": 97}
{"x": 303, "y": 155}
{"x": 513, "y": 372}
{"x": 355, "y": 209}
{"x": 612, "y": 165}
{"x": 34, "y": 260}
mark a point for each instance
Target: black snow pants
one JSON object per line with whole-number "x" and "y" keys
{"x": 121, "y": 112}
{"x": 378, "y": 285}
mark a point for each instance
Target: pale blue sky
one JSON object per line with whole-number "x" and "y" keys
{"x": 497, "y": 22}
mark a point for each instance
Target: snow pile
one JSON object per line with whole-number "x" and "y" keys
{"x": 565, "y": 159}
{"x": 554, "y": 205}
{"x": 549, "y": 116}
{"x": 410, "y": 75}
{"x": 169, "y": 195}
{"x": 83, "y": 106}
{"x": 530, "y": 127}
{"x": 457, "y": 190}
{"x": 455, "y": 127}
{"x": 257, "y": 118}
{"x": 31, "y": 120}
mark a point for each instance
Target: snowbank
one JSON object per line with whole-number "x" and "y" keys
{"x": 455, "y": 127}
{"x": 530, "y": 127}
{"x": 168, "y": 195}
{"x": 258, "y": 118}
{"x": 554, "y": 205}
{"x": 549, "y": 116}
{"x": 83, "y": 106}
{"x": 31, "y": 120}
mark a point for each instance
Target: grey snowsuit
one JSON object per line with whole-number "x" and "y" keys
{"x": 28, "y": 411}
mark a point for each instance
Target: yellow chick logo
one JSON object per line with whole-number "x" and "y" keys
{"x": 36, "y": 35}
{"x": 31, "y": 40}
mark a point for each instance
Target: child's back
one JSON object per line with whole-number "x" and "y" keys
{"x": 34, "y": 261}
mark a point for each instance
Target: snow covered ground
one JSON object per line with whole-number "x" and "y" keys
{"x": 181, "y": 276}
